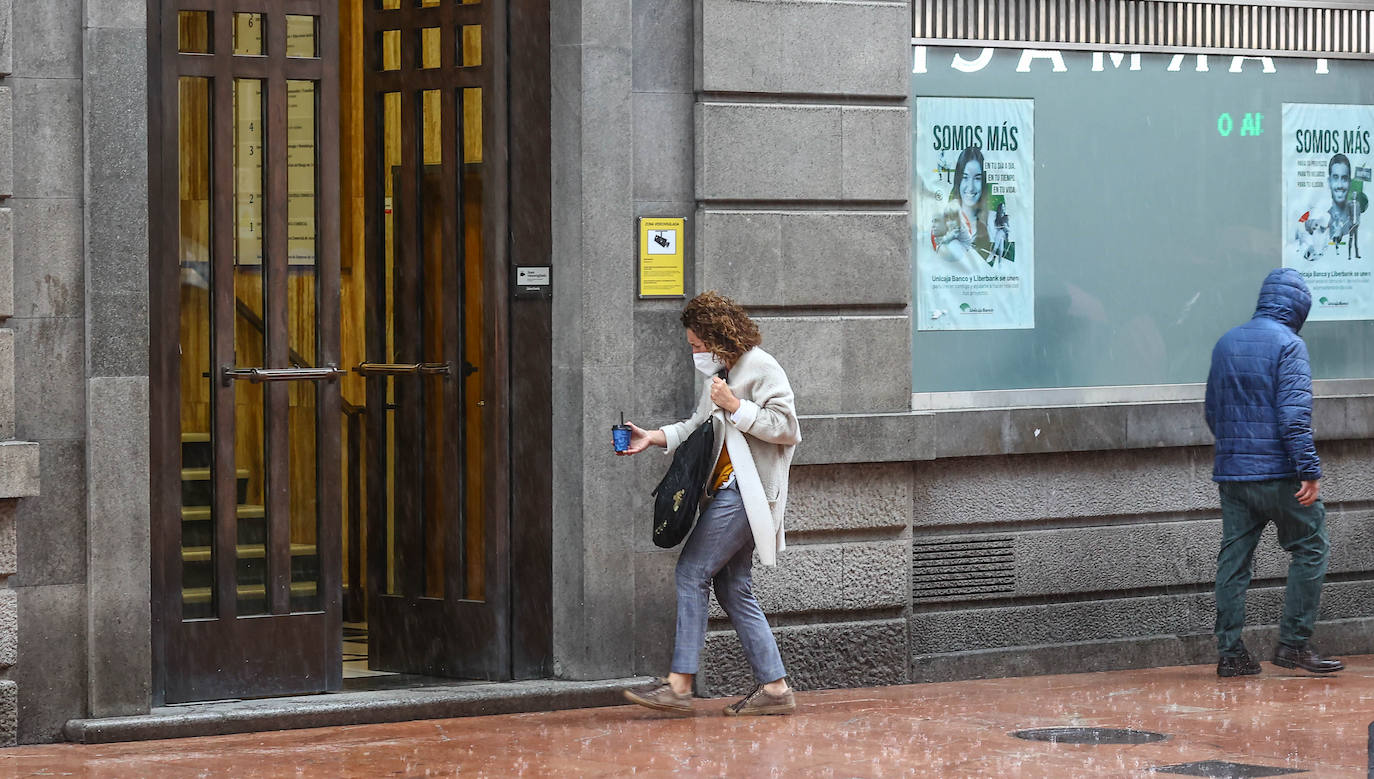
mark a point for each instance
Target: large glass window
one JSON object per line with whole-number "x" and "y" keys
{"x": 1159, "y": 204}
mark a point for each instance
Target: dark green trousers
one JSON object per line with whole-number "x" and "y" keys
{"x": 1246, "y": 507}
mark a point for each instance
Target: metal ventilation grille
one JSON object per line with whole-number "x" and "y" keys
{"x": 1274, "y": 27}
{"x": 944, "y": 568}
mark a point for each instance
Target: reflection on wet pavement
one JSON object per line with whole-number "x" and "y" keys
{"x": 1276, "y": 723}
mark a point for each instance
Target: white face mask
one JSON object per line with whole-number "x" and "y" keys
{"x": 707, "y": 362}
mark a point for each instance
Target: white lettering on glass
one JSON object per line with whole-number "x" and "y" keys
{"x": 973, "y": 65}
{"x": 1030, "y": 55}
{"x": 1117, "y": 58}
{"x": 1237, "y": 63}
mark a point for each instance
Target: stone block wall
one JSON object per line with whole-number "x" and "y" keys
{"x": 47, "y": 300}
{"x": 801, "y": 165}
{"x": 923, "y": 544}
{"x": 779, "y": 130}
{"x": 19, "y": 460}
{"x": 1008, "y": 565}
{"x": 73, "y": 363}
{"x": 1107, "y": 560}
{"x": 802, "y": 158}
{"x": 839, "y": 596}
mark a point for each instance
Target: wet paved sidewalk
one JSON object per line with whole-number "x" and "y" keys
{"x": 1285, "y": 721}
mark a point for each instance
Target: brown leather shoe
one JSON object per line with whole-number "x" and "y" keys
{"x": 659, "y": 695}
{"x": 760, "y": 702}
{"x": 1307, "y": 659}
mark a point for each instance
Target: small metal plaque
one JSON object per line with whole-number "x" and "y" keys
{"x": 533, "y": 281}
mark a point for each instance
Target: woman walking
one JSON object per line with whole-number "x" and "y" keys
{"x": 749, "y": 403}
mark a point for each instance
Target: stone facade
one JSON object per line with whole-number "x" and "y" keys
{"x": 73, "y": 291}
{"x": 923, "y": 545}
{"x": 19, "y": 460}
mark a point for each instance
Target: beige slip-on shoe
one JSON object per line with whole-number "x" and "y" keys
{"x": 760, "y": 702}
{"x": 659, "y": 695}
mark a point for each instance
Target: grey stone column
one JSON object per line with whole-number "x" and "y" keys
{"x": 593, "y": 330}
{"x": 118, "y": 619}
{"x": 48, "y": 585}
{"x": 664, "y": 182}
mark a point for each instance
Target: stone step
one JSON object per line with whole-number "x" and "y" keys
{"x": 196, "y": 489}
{"x": 250, "y": 567}
{"x": 247, "y": 592}
{"x": 463, "y": 699}
{"x": 202, "y": 554}
{"x": 202, "y": 513}
{"x": 203, "y": 474}
{"x": 198, "y": 530}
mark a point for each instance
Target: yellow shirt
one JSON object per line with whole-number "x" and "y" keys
{"x": 723, "y": 469}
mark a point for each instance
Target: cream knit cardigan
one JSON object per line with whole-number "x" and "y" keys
{"x": 760, "y": 443}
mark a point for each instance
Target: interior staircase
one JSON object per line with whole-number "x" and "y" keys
{"x": 197, "y": 537}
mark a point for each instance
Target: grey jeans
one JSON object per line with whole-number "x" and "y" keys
{"x": 721, "y": 551}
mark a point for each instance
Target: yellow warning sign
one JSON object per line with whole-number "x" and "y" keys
{"x": 662, "y": 259}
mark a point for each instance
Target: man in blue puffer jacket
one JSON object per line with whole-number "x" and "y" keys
{"x": 1259, "y": 407}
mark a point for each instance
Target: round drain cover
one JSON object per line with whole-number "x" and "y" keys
{"x": 1090, "y": 735}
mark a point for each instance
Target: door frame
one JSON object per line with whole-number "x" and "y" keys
{"x": 529, "y": 58}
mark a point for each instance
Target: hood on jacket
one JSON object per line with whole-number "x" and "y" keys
{"x": 1284, "y": 297}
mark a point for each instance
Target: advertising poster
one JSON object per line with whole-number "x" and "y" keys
{"x": 973, "y": 214}
{"x": 1326, "y": 170}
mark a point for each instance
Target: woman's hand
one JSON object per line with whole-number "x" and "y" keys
{"x": 641, "y": 439}
{"x": 722, "y": 396}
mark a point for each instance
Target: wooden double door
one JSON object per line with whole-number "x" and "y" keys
{"x": 329, "y": 362}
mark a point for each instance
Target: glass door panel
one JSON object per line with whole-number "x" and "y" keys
{"x": 194, "y": 121}
{"x": 439, "y": 505}
{"x": 250, "y": 418}
{"x": 474, "y": 559}
{"x": 302, "y": 318}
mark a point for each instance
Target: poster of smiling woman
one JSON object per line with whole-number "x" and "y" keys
{"x": 1326, "y": 168}
{"x": 973, "y": 214}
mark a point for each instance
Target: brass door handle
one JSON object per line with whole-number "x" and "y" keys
{"x": 437, "y": 368}
{"x": 259, "y": 375}
{"x": 387, "y": 368}
{"x": 405, "y": 368}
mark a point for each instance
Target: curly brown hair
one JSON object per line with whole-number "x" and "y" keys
{"x": 722, "y": 325}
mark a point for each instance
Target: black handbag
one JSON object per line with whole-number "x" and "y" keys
{"x": 678, "y": 495}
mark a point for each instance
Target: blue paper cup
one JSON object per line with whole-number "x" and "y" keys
{"x": 620, "y": 437}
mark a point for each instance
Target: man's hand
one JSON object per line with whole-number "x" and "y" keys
{"x": 1307, "y": 493}
{"x": 722, "y": 396}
